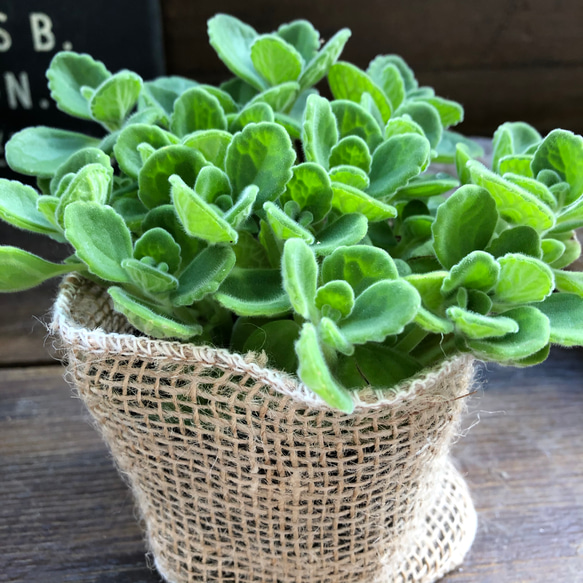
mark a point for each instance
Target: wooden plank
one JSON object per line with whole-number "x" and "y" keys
{"x": 67, "y": 516}
{"x": 504, "y": 61}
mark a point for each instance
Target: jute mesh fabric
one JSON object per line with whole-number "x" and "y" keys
{"x": 241, "y": 474}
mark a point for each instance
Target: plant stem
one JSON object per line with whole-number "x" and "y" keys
{"x": 411, "y": 340}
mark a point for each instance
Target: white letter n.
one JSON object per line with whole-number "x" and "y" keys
{"x": 18, "y": 91}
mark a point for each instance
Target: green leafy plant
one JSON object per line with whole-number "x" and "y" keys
{"x": 259, "y": 215}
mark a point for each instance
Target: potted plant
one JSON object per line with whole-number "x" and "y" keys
{"x": 273, "y": 303}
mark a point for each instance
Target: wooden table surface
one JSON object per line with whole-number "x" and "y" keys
{"x": 66, "y": 515}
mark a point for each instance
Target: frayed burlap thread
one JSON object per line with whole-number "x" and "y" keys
{"x": 243, "y": 475}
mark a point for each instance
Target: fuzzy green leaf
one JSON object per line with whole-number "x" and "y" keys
{"x": 319, "y": 130}
{"x": 303, "y": 36}
{"x": 429, "y": 287}
{"x": 383, "y": 308}
{"x": 275, "y": 60}
{"x": 516, "y": 164}
{"x": 198, "y": 217}
{"x": 211, "y": 182}
{"x": 18, "y": 206}
{"x": 432, "y": 323}
{"x": 427, "y": 117}
{"x": 478, "y": 326}
{"x": 427, "y": 185}
{"x": 465, "y": 222}
{"x": 361, "y": 266}
{"x": 395, "y": 162}
{"x": 284, "y": 226}
{"x": 159, "y": 244}
{"x": 348, "y": 82}
{"x": 354, "y": 120}
{"x": 565, "y": 314}
{"x": 77, "y": 161}
{"x": 478, "y": 270}
{"x": 446, "y": 149}
{"x": 314, "y": 372}
{"x": 20, "y": 270}
{"x": 350, "y": 176}
{"x": 533, "y": 186}
{"x": 346, "y": 230}
{"x": 300, "y": 274}
{"x": 197, "y": 110}
{"x": 570, "y": 218}
{"x": 212, "y": 144}
{"x": 378, "y": 65}
{"x": 262, "y": 154}
{"x": 148, "y": 278}
{"x": 338, "y": 294}
{"x": 348, "y": 199}
{"x": 310, "y": 188}
{"x": 232, "y": 40}
{"x": 512, "y": 138}
{"x": 331, "y": 335}
{"x": 115, "y": 98}
{"x": 353, "y": 151}
{"x": 552, "y": 250}
{"x": 280, "y": 98}
{"x": 67, "y": 74}
{"x": 242, "y": 208}
{"x": 523, "y": 280}
{"x": 450, "y": 112}
{"x": 252, "y": 113}
{"x": 569, "y": 281}
{"x": 39, "y": 151}
{"x": 533, "y": 335}
{"x": 100, "y": 237}
{"x": 146, "y": 319}
{"x": 319, "y": 66}
{"x": 254, "y": 292}
{"x": 403, "y": 124}
{"x": 390, "y": 80}
{"x": 154, "y": 186}
{"x": 204, "y": 275}
{"x": 228, "y": 104}
{"x": 520, "y": 239}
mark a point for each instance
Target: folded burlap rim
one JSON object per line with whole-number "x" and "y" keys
{"x": 66, "y": 325}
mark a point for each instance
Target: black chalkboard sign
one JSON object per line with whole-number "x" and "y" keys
{"x": 124, "y": 34}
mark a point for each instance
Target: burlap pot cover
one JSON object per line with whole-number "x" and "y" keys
{"x": 241, "y": 474}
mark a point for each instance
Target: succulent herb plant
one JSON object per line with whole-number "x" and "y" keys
{"x": 258, "y": 215}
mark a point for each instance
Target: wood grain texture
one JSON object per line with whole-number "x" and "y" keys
{"x": 504, "y": 60}
{"x": 65, "y": 514}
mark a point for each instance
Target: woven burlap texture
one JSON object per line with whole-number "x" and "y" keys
{"x": 241, "y": 474}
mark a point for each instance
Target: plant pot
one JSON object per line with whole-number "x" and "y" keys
{"x": 241, "y": 474}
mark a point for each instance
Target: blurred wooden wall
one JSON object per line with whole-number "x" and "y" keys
{"x": 504, "y": 60}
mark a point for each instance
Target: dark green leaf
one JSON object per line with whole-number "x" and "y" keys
{"x": 277, "y": 340}
{"x": 565, "y": 313}
{"x": 520, "y": 239}
{"x": 465, "y": 222}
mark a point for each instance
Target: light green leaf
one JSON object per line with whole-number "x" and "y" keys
{"x": 67, "y": 74}
{"x": 402, "y": 124}
{"x": 303, "y": 36}
{"x": 204, "y": 275}
{"x": 338, "y": 295}
{"x": 523, "y": 280}
{"x": 159, "y": 244}
{"x": 319, "y": 66}
{"x": 212, "y": 144}
{"x": 512, "y": 138}
{"x": 348, "y": 199}
{"x": 196, "y": 110}
{"x": 198, "y": 217}
{"x": 347, "y": 230}
{"x": 378, "y": 65}
{"x": 232, "y": 40}
{"x": 242, "y": 208}
{"x": 353, "y": 151}
{"x": 254, "y": 292}
{"x": 383, "y": 308}
{"x": 552, "y": 250}
{"x": 565, "y": 314}
{"x": 284, "y": 226}
{"x": 432, "y": 323}
{"x": 572, "y": 250}
{"x": 450, "y": 112}
{"x": 275, "y": 60}
{"x": 300, "y": 274}
{"x": 391, "y": 82}
{"x": 154, "y": 187}
{"x": 478, "y": 270}
{"x": 20, "y": 270}
{"x": 280, "y": 98}
{"x": 228, "y": 104}
{"x": 569, "y": 281}
{"x": 477, "y": 326}
{"x": 319, "y": 131}
{"x": 210, "y": 183}
{"x": 252, "y": 113}
{"x": 115, "y": 98}
{"x": 515, "y": 205}
{"x": 239, "y": 90}
{"x": 426, "y": 116}
{"x": 39, "y": 151}
{"x": 77, "y": 161}
{"x": 331, "y": 335}
{"x": 262, "y": 154}
{"x": 429, "y": 287}
{"x": 148, "y": 278}
{"x": 570, "y": 218}
{"x": 361, "y": 266}
{"x": 516, "y": 164}
{"x": 446, "y": 149}
{"x": 395, "y": 162}
{"x": 350, "y": 176}
{"x": 354, "y": 120}
{"x": 465, "y": 222}
{"x": 533, "y": 186}
{"x": 533, "y": 335}
{"x": 427, "y": 185}
{"x": 348, "y": 82}
{"x": 520, "y": 239}
{"x": 100, "y": 237}
{"x": 310, "y": 188}
{"x": 146, "y": 319}
{"x": 18, "y": 206}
